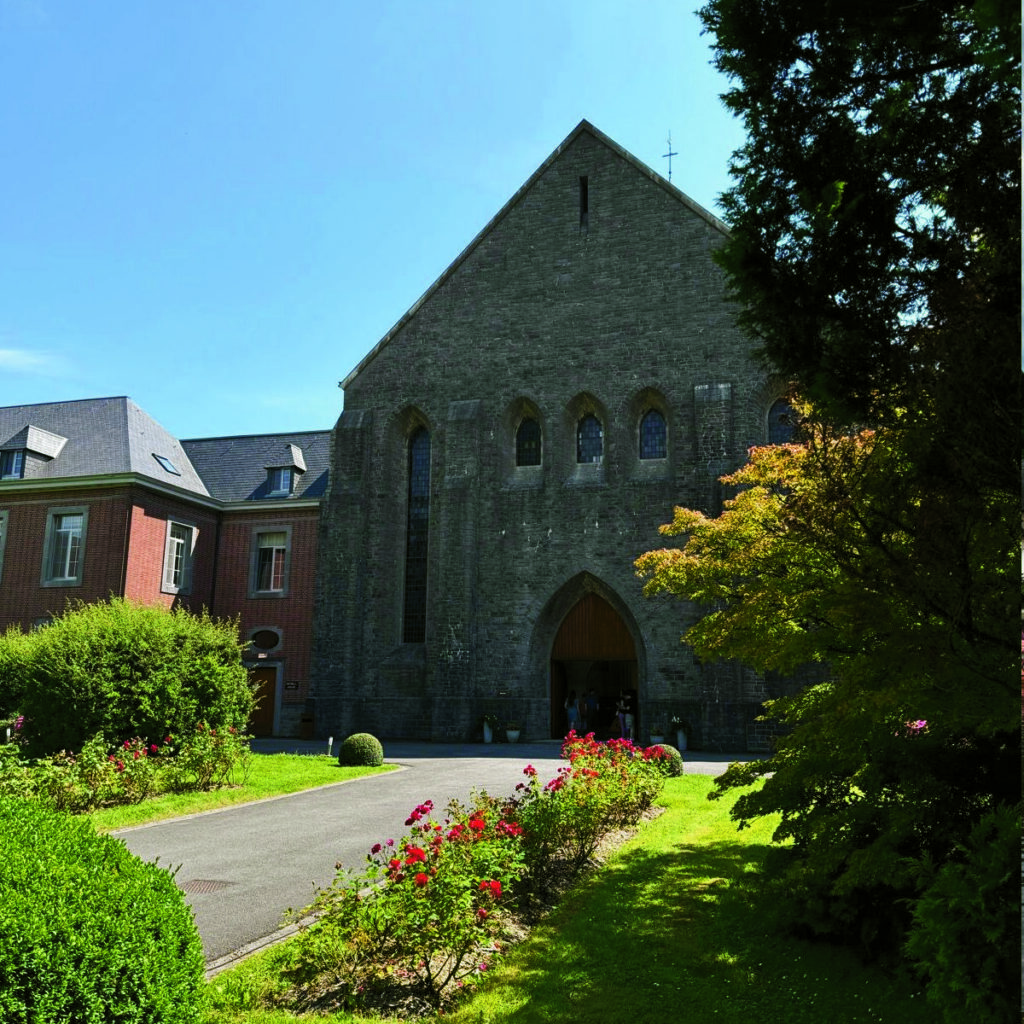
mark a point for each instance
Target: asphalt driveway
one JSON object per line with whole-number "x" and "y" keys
{"x": 242, "y": 868}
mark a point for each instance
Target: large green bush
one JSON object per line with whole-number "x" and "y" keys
{"x": 88, "y": 932}
{"x": 13, "y": 652}
{"x": 126, "y": 670}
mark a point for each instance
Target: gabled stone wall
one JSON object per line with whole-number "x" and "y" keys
{"x": 545, "y": 316}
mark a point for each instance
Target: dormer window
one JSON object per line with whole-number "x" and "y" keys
{"x": 283, "y": 470}
{"x": 12, "y": 464}
{"x": 42, "y": 445}
{"x": 281, "y": 479}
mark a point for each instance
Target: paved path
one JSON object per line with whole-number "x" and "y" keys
{"x": 243, "y": 867}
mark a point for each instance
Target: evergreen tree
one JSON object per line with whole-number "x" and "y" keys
{"x": 875, "y": 259}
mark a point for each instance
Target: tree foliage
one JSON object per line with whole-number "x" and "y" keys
{"x": 834, "y": 551}
{"x": 875, "y": 259}
{"x": 876, "y": 209}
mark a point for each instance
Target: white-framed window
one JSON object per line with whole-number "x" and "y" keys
{"x": 178, "y": 548}
{"x": 281, "y": 479}
{"x": 12, "y": 464}
{"x": 64, "y": 548}
{"x": 271, "y": 555}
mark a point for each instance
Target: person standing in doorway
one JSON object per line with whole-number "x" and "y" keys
{"x": 629, "y": 699}
{"x": 572, "y": 710}
{"x": 591, "y": 707}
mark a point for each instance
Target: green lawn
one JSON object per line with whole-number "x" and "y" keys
{"x": 672, "y": 928}
{"x": 270, "y": 775}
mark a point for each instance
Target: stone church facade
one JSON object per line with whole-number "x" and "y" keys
{"x": 511, "y": 446}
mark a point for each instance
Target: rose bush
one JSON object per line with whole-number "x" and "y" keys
{"x": 428, "y": 909}
{"x": 421, "y": 910}
{"x": 100, "y": 775}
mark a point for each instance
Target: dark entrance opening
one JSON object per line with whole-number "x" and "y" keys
{"x": 593, "y": 653}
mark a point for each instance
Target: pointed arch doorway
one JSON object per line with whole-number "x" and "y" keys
{"x": 593, "y": 650}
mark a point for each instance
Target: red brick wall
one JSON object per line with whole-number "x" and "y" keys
{"x": 23, "y": 599}
{"x": 150, "y": 513}
{"x": 291, "y": 615}
{"x": 124, "y": 550}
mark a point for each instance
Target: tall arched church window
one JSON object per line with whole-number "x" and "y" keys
{"x": 653, "y": 436}
{"x": 528, "y": 443}
{"x": 589, "y": 439}
{"x": 781, "y": 422}
{"x": 414, "y": 619}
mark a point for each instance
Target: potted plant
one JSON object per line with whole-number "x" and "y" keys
{"x": 682, "y": 730}
{"x": 657, "y": 731}
{"x": 512, "y": 730}
{"x": 490, "y": 724}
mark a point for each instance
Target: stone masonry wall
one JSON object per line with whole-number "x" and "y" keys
{"x": 554, "y": 318}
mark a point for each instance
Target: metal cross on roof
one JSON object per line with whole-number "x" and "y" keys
{"x": 669, "y": 154}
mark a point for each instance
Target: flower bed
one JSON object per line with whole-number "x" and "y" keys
{"x": 430, "y": 911}
{"x": 103, "y": 776}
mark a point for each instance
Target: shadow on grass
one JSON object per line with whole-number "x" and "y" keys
{"x": 685, "y": 932}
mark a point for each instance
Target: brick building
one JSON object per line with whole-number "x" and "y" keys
{"x": 512, "y": 445}
{"x": 97, "y": 499}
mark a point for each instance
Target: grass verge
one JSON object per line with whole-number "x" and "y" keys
{"x": 672, "y": 928}
{"x": 269, "y": 775}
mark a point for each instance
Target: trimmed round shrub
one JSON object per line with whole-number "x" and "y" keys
{"x": 125, "y": 670}
{"x": 673, "y": 766}
{"x": 88, "y": 931}
{"x": 361, "y": 750}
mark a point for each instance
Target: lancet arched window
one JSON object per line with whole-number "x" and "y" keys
{"x": 781, "y": 422}
{"x": 414, "y": 619}
{"x": 653, "y": 436}
{"x": 528, "y": 443}
{"x": 589, "y": 439}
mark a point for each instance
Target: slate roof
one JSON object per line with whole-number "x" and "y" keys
{"x": 235, "y": 468}
{"x": 104, "y": 437}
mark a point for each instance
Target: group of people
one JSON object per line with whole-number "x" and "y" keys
{"x": 582, "y": 712}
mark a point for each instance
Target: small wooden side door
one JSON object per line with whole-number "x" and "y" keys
{"x": 261, "y": 722}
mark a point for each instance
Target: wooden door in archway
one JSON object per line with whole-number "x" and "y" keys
{"x": 593, "y": 651}
{"x": 261, "y": 721}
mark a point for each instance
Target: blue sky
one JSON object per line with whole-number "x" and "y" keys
{"x": 219, "y": 208}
